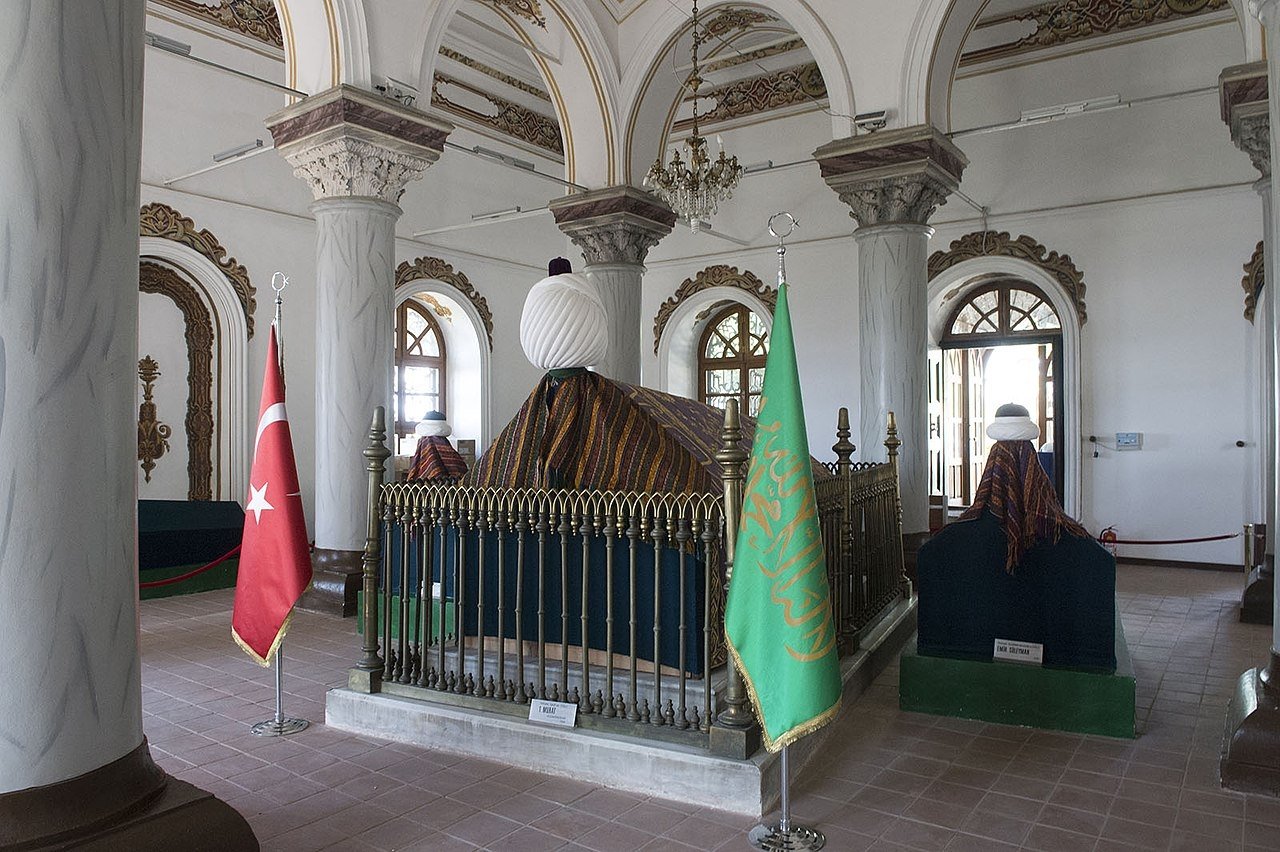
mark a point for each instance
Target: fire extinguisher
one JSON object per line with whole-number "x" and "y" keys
{"x": 1108, "y": 539}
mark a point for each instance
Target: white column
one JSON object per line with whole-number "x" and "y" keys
{"x": 615, "y": 227}
{"x": 355, "y": 316}
{"x": 619, "y": 285}
{"x": 357, "y": 152}
{"x": 70, "y": 147}
{"x": 1265, "y": 319}
{"x": 893, "y": 328}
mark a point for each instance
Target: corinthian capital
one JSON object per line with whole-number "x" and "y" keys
{"x": 346, "y": 142}
{"x": 1242, "y": 92}
{"x": 894, "y": 176}
{"x": 618, "y": 224}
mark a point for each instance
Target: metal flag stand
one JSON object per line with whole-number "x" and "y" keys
{"x": 785, "y": 836}
{"x": 279, "y": 725}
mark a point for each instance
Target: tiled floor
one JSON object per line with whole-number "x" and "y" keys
{"x": 898, "y": 781}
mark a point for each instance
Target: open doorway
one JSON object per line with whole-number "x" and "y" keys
{"x": 1002, "y": 343}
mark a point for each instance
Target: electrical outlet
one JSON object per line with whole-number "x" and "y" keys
{"x": 1128, "y": 440}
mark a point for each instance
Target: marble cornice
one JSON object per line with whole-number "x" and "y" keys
{"x": 894, "y": 176}
{"x": 345, "y": 142}
{"x": 345, "y": 109}
{"x": 1243, "y": 98}
{"x": 617, "y": 224}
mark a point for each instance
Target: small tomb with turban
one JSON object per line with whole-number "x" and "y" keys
{"x": 1016, "y": 567}
{"x": 435, "y": 459}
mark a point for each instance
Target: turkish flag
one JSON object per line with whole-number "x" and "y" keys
{"x": 275, "y": 560}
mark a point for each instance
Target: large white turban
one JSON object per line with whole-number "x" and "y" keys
{"x": 564, "y": 323}
{"x": 1012, "y": 423}
{"x": 433, "y": 424}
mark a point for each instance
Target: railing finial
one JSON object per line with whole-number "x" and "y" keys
{"x": 843, "y": 447}
{"x": 733, "y": 471}
{"x": 891, "y": 441}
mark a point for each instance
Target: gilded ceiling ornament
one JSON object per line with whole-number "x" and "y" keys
{"x": 1254, "y": 277}
{"x": 153, "y": 436}
{"x": 161, "y": 220}
{"x": 731, "y": 20}
{"x": 511, "y": 118}
{"x": 254, "y": 18}
{"x": 801, "y": 84}
{"x": 1065, "y": 21}
{"x": 1000, "y": 244}
{"x": 513, "y": 82}
{"x": 718, "y": 275}
{"x": 530, "y": 10}
{"x": 441, "y": 311}
{"x": 435, "y": 269}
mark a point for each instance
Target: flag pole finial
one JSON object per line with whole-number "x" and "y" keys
{"x": 279, "y": 288}
{"x": 787, "y": 221}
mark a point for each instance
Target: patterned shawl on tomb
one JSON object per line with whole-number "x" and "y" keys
{"x": 1018, "y": 493}
{"x": 587, "y": 431}
{"x": 436, "y": 459}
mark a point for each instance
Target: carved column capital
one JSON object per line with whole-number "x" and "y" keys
{"x": 346, "y": 142}
{"x": 615, "y": 225}
{"x": 893, "y": 176}
{"x": 1242, "y": 92}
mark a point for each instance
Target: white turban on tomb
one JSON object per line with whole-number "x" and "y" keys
{"x": 1012, "y": 423}
{"x": 564, "y": 323}
{"x": 433, "y": 424}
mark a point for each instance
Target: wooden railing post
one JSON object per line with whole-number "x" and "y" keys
{"x": 892, "y": 443}
{"x": 367, "y": 675}
{"x": 732, "y": 458}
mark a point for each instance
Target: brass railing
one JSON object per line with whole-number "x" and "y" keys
{"x": 613, "y": 601}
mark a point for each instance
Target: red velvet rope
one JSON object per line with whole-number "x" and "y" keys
{"x": 187, "y": 576}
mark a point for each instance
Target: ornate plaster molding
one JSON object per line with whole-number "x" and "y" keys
{"x": 530, "y": 10}
{"x": 161, "y": 220}
{"x": 618, "y": 224}
{"x": 1001, "y": 244}
{"x": 754, "y": 55}
{"x": 1243, "y": 96}
{"x": 896, "y": 176}
{"x": 348, "y": 166}
{"x": 732, "y": 20}
{"x": 801, "y": 84}
{"x": 254, "y": 18}
{"x": 719, "y": 275}
{"x": 476, "y": 65}
{"x": 510, "y": 118}
{"x": 1066, "y": 21}
{"x": 436, "y": 269}
{"x": 1255, "y": 276}
{"x": 346, "y": 142}
{"x": 154, "y": 278}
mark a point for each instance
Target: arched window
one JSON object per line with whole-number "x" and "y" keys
{"x": 731, "y": 358}
{"x": 420, "y": 366}
{"x": 1008, "y": 309}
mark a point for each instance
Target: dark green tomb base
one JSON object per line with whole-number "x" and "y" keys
{"x": 1016, "y": 694}
{"x": 413, "y": 616}
{"x": 221, "y": 577}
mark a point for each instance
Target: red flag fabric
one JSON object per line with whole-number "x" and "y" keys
{"x": 275, "y": 560}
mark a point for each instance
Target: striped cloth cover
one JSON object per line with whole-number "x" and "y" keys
{"x": 435, "y": 459}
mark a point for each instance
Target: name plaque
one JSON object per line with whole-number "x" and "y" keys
{"x": 553, "y": 713}
{"x": 1008, "y": 650}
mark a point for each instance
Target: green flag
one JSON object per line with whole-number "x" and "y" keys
{"x": 778, "y": 617}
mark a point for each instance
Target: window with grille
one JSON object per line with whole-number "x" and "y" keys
{"x": 420, "y": 366}
{"x": 731, "y": 359}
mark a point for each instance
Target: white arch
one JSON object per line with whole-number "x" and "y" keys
{"x": 583, "y": 85}
{"x": 653, "y": 51}
{"x": 478, "y": 332}
{"x": 961, "y": 279}
{"x": 326, "y": 42}
{"x": 231, "y": 357}
{"x": 678, "y": 346}
{"x": 933, "y": 54}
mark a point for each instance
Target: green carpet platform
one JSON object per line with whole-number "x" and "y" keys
{"x": 1062, "y": 699}
{"x": 179, "y": 536}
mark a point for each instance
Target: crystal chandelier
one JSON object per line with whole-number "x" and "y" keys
{"x": 694, "y": 189}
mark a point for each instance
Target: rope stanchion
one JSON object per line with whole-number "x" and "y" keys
{"x": 187, "y": 576}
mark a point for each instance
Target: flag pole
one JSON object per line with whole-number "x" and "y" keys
{"x": 785, "y": 837}
{"x": 279, "y": 725}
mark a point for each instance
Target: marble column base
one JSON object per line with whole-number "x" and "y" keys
{"x": 1251, "y": 748}
{"x": 1256, "y": 604}
{"x": 335, "y": 581}
{"x": 128, "y": 804}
